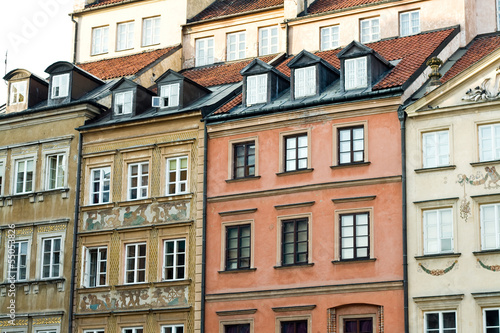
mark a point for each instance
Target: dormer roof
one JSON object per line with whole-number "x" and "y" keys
{"x": 171, "y": 75}
{"x": 258, "y": 66}
{"x": 223, "y": 8}
{"x": 64, "y": 67}
{"x": 20, "y": 73}
{"x": 305, "y": 58}
{"x": 356, "y": 49}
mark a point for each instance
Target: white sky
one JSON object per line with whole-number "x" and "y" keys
{"x": 36, "y": 33}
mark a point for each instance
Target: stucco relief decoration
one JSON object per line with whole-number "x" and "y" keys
{"x": 483, "y": 93}
{"x": 17, "y": 322}
{"x": 134, "y": 298}
{"x": 493, "y": 268}
{"x": 490, "y": 180}
{"x": 438, "y": 272}
{"x": 136, "y": 215}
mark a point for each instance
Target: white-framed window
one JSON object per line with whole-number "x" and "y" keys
{"x": 135, "y": 263}
{"x": 51, "y": 257}
{"x": 151, "y": 31}
{"x": 138, "y": 180}
{"x": 330, "y": 37}
{"x": 438, "y": 231}
{"x": 94, "y": 331}
{"x": 171, "y": 94}
{"x": 355, "y": 73}
{"x": 95, "y": 266}
{"x": 177, "y": 175}
{"x": 173, "y": 329}
{"x": 268, "y": 40}
{"x": 440, "y": 322}
{"x": 409, "y": 23}
{"x": 18, "y": 268}
{"x": 174, "y": 259}
{"x": 204, "y": 51}
{"x": 490, "y": 226}
{"x": 370, "y": 30}
{"x": 24, "y": 175}
{"x": 123, "y": 102}
{"x": 132, "y": 330}
{"x": 489, "y": 142}
{"x": 60, "y": 85}
{"x": 124, "y": 36}
{"x": 100, "y": 185}
{"x": 236, "y": 46}
{"x": 491, "y": 320}
{"x": 100, "y": 40}
{"x": 17, "y": 92}
{"x": 296, "y": 151}
{"x": 435, "y": 149}
{"x": 305, "y": 81}
{"x": 2, "y": 177}
{"x": 256, "y": 89}
{"x": 55, "y": 172}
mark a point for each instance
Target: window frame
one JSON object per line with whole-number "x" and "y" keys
{"x": 2, "y": 176}
{"x": 351, "y": 151}
{"x": 484, "y": 318}
{"x": 246, "y": 167}
{"x": 328, "y": 32}
{"x": 355, "y": 236}
{"x": 62, "y": 86}
{"x": 371, "y": 37}
{"x": 177, "y": 183}
{"x": 337, "y": 225}
{"x": 172, "y": 102}
{"x": 410, "y": 21}
{"x": 256, "y": 92}
{"x": 496, "y": 225}
{"x": 239, "y": 247}
{"x": 296, "y": 318}
{"x": 48, "y": 169}
{"x": 51, "y": 263}
{"x": 87, "y": 269}
{"x": 267, "y": 42}
{"x": 175, "y": 328}
{"x": 304, "y": 83}
{"x": 358, "y": 81}
{"x": 238, "y": 44}
{"x": 127, "y": 34}
{"x": 136, "y": 259}
{"x": 25, "y": 159}
{"x": 95, "y": 330}
{"x": 127, "y": 100}
{"x": 139, "y": 177}
{"x": 175, "y": 263}
{"x": 494, "y": 134}
{"x": 27, "y": 260}
{"x": 102, "y": 169}
{"x": 99, "y": 44}
{"x": 438, "y": 210}
{"x": 498, "y": 14}
{"x": 295, "y": 243}
{"x": 137, "y": 329}
{"x": 152, "y": 37}
{"x": 203, "y": 45}
{"x": 17, "y": 94}
{"x": 436, "y": 146}
{"x": 440, "y": 313}
{"x": 297, "y": 160}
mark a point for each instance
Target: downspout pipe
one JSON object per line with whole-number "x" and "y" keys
{"x": 75, "y": 231}
{"x": 402, "y": 120}
{"x": 75, "y": 43}
{"x": 204, "y": 231}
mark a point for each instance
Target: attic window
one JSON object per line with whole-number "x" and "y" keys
{"x": 305, "y": 81}
{"x": 17, "y": 92}
{"x": 170, "y": 93}
{"x": 60, "y": 85}
{"x": 123, "y": 102}
{"x": 355, "y": 73}
{"x": 256, "y": 89}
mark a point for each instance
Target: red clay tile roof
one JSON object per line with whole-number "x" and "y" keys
{"x": 229, "y": 105}
{"x": 477, "y": 50}
{"x": 100, "y": 3}
{"x": 403, "y": 48}
{"x": 231, "y": 7}
{"x": 321, "y": 6}
{"x": 125, "y": 66}
{"x": 221, "y": 73}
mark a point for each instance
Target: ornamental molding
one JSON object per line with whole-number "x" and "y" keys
{"x": 438, "y": 272}
{"x": 483, "y": 93}
{"x": 493, "y": 268}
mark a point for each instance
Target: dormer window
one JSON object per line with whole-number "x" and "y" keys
{"x": 355, "y": 73}
{"x": 60, "y": 85}
{"x": 256, "y": 89}
{"x": 123, "y": 102}
{"x": 170, "y": 93}
{"x": 305, "y": 81}
{"x": 17, "y": 92}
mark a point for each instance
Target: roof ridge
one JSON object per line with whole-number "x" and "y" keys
{"x": 129, "y": 55}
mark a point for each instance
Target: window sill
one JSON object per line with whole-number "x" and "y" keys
{"x": 33, "y": 286}
{"x": 174, "y": 197}
{"x": 139, "y": 285}
{"x": 98, "y": 206}
{"x": 353, "y": 261}
{"x": 134, "y": 202}
{"x": 350, "y": 165}
{"x": 170, "y": 283}
{"x": 295, "y": 172}
{"x": 237, "y": 180}
{"x": 148, "y": 45}
{"x": 485, "y": 163}
{"x": 438, "y": 255}
{"x": 156, "y": 284}
{"x": 241, "y": 270}
{"x": 486, "y": 252}
{"x": 439, "y": 168}
{"x": 127, "y": 49}
{"x": 94, "y": 289}
{"x": 294, "y": 266}
{"x": 98, "y": 54}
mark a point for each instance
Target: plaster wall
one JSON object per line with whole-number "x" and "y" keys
{"x": 220, "y": 28}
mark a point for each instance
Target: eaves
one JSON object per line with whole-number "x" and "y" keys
{"x": 225, "y": 17}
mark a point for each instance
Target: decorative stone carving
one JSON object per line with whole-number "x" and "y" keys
{"x": 483, "y": 93}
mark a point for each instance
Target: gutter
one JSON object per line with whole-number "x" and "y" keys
{"x": 204, "y": 231}
{"x": 75, "y": 232}
{"x": 402, "y": 120}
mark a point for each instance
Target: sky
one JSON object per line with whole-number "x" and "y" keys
{"x": 35, "y": 34}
